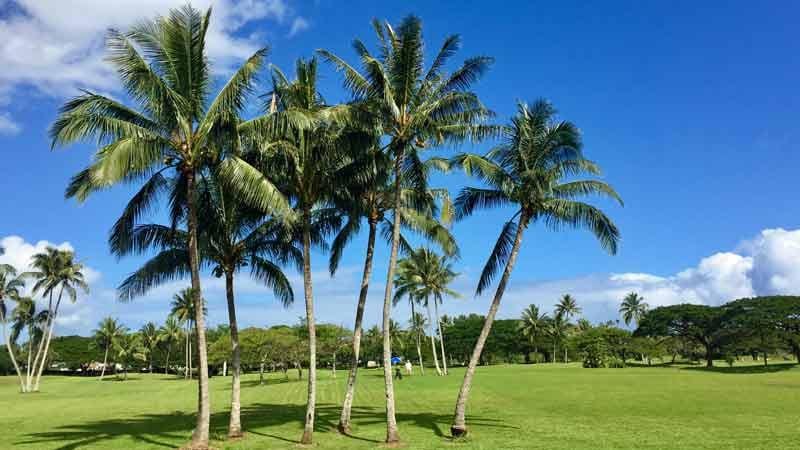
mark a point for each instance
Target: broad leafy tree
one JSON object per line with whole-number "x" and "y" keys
{"x": 533, "y": 170}
{"x": 701, "y": 324}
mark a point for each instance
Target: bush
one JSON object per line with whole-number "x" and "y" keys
{"x": 614, "y": 362}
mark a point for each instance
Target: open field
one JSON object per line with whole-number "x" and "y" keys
{"x": 534, "y": 406}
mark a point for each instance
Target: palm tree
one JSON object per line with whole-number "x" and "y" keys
{"x": 407, "y": 286}
{"x": 11, "y": 286}
{"x": 54, "y": 270}
{"x": 150, "y": 337}
{"x": 417, "y": 325}
{"x": 105, "y": 337}
{"x": 183, "y": 309}
{"x": 533, "y": 324}
{"x": 372, "y": 202}
{"x": 25, "y": 317}
{"x": 633, "y": 308}
{"x": 426, "y": 275}
{"x": 567, "y": 307}
{"x": 128, "y": 347}
{"x": 171, "y": 136}
{"x": 527, "y": 170}
{"x": 558, "y": 328}
{"x": 414, "y": 108}
{"x": 232, "y": 236}
{"x": 169, "y": 334}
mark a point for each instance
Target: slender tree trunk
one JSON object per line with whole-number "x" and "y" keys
{"x": 358, "y": 330}
{"x": 11, "y": 353}
{"x": 105, "y": 362}
{"x": 28, "y": 367}
{"x": 441, "y": 336}
{"x": 186, "y": 352}
{"x": 419, "y": 340}
{"x": 51, "y": 326}
{"x": 166, "y": 365}
{"x": 31, "y": 370}
{"x": 308, "y": 430}
{"x": 235, "y": 424}
{"x": 261, "y": 374}
{"x": 459, "y": 427}
{"x": 433, "y": 338}
{"x": 201, "y": 434}
{"x": 392, "y": 433}
{"x": 765, "y": 359}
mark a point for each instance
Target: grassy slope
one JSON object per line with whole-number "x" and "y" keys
{"x": 527, "y": 407}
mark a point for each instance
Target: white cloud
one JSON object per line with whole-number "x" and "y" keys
{"x": 298, "y": 25}
{"x": 7, "y": 125}
{"x": 56, "y": 46}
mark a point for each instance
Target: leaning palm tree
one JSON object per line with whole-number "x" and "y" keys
{"x": 26, "y": 318}
{"x": 633, "y": 308}
{"x": 150, "y": 338}
{"x": 105, "y": 337}
{"x": 533, "y": 324}
{"x": 11, "y": 286}
{"x": 414, "y": 108}
{"x": 232, "y": 237}
{"x": 54, "y": 270}
{"x": 169, "y": 334}
{"x": 527, "y": 170}
{"x": 371, "y": 201}
{"x": 567, "y": 307}
{"x": 170, "y": 137}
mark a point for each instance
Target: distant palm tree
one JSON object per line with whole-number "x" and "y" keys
{"x": 633, "y": 308}
{"x": 54, "y": 270}
{"x": 183, "y": 308}
{"x": 11, "y": 286}
{"x": 128, "y": 346}
{"x": 558, "y": 329}
{"x": 105, "y": 337}
{"x": 169, "y": 334}
{"x": 415, "y": 109}
{"x": 567, "y": 307}
{"x": 533, "y": 324}
{"x": 417, "y": 326}
{"x": 150, "y": 337}
{"x": 26, "y": 318}
{"x": 531, "y": 170}
{"x": 584, "y": 325}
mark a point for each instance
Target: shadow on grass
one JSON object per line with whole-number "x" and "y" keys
{"x": 772, "y": 368}
{"x": 173, "y": 429}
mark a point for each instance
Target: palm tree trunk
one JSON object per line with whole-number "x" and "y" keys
{"x": 235, "y": 424}
{"x": 441, "y": 335}
{"x": 105, "y": 362}
{"x": 201, "y": 433}
{"x": 51, "y": 325}
{"x": 392, "y": 433}
{"x": 311, "y": 403}
{"x": 11, "y": 353}
{"x": 459, "y": 427}
{"x": 419, "y": 340}
{"x": 433, "y": 339}
{"x": 358, "y": 330}
{"x": 166, "y": 364}
{"x": 186, "y": 352}
{"x": 31, "y": 370}
{"x": 28, "y": 367}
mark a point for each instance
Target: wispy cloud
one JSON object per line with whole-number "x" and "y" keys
{"x": 299, "y": 24}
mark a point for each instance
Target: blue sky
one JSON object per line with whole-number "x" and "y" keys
{"x": 691, "y": 110}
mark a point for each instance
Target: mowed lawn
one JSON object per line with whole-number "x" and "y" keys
{"x": 512, "y": 407}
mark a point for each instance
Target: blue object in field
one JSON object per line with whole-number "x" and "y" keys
{"x": 396, "y": 360}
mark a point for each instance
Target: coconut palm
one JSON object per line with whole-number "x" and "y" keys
{"x": 232, "y": 236}
{"x": 417, "y": 326}
{"x": 414, "y": 108}
{"x": 426, "y": 275}
{"x": 172, "y": 134}
{"x": 26, "y": 318}
{"x": 533, "y": 324}
{"x": 183, "y": 308}
{"x": 150, "y": 338}
{"x": 11, "y": 286}
{"x": 527, "y": 170}
{"x": 105, "y": 337}
{"x": 54, "y": 270}
{"x": 407, "y": 285}
{"x": 371, "y": 203}
{"x": 128, "y": 347}
{"x": 633, "y": 308}
{"x": 169, "y": 334}
{"x": 567, "y": 307}
{"x": 558, "y": 328}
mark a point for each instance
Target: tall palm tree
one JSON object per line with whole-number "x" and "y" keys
{"x": 105, "y": 337}
{"x": 527, "y": 170}
{"x": 232, "y": 236}
{"x": 183, "y": 308}
{"x": 11, "y": 286}
{"x": 558, "y": 328}
{"x": 533, "y": 324}
{"x": 372, "y": 202}
{"x": 128, "y": 346}
{"x": 150, "y": 338}
{"x": 171, "y": 136}
{"x": 407, "y": 282}
{"x": 169, "y": 334}
{"x": 25, "y": 318}
{"x": 633, "y": 308}
{"x": 567, "y": 307}
{"x": 54, "y": 270}
{"x": 414, "y": 108}
{"x": 417, "y": 325}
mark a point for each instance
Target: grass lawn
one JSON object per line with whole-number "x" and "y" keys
{"x": 512, "y": 407}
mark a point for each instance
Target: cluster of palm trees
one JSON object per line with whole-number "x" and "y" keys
{"x": 261, "y": 192}
{"x": 54, "y": 273}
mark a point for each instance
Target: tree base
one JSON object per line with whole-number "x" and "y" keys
{"x": 307, "y": 438}
{"x": 458, "y": 431}
{"x": 235, "y": 435}
{"x": 344, "y": 428}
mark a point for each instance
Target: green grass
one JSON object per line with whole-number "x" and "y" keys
{"x": 530, "y": 407}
